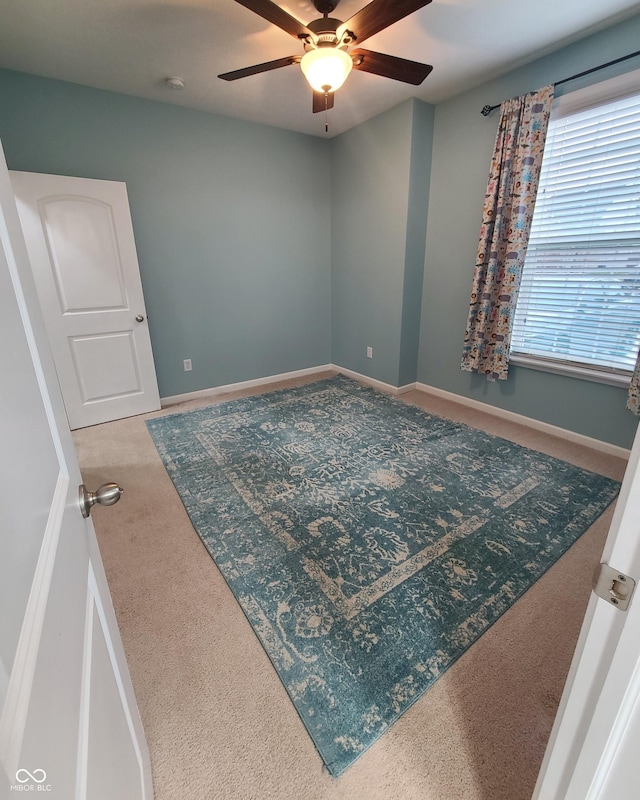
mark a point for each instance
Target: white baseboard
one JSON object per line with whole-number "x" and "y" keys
{"x": 487, "y": 408}
{"x": 530, "y": 422}
{"x": 384, "y": 387}
{"x": 283, "y": 376}
{"x": 234, "y": 387}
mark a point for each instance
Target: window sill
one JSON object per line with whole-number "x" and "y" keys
{"x": 571, "y": 370}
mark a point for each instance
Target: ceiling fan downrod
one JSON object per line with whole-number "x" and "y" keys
{"x": 325, "y": 7}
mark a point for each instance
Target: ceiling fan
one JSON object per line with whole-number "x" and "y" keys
{"x": 327, "y": 61}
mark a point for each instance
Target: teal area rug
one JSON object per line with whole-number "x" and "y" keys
{"x": 368, "y": 542}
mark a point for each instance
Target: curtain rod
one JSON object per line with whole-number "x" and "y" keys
{"x": 486, "y": 110}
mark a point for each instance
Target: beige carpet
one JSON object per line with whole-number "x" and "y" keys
{"x": 218, "y": 721}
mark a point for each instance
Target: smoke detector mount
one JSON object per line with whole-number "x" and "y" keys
{"x": 174, "y": 83}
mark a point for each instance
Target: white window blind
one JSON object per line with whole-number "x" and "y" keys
{"x": 579, "y": 300}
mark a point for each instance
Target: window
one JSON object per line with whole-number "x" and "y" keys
{"x": 579, "y": 304}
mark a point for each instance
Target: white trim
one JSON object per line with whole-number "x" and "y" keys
{"x": 384, "y": 387}
{"x": 284, "y": 376}
{"x": 530, "y": 422}
{"x": 16, "y": 707}
{"x": 596, "y": 94}
{"x": 570, "y": 370}
{"x": 233, "y": 387}
{"x": 82, "y": 766}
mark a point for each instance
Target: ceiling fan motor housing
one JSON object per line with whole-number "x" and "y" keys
{"x": 325, "y": 31}
{"x": 325, "y": 27}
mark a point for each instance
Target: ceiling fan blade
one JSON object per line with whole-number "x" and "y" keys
{"x": 378, "y": 15}
{"x": 257, "y": 68}
{"x": 398, "y": 69}
{"x": 278, "y": 16}
{"x": 319, "y": 101}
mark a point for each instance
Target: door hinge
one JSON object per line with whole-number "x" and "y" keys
{"x": 613, "y": 586}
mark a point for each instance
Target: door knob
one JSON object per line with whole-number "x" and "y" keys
{"x": 106, "y": 495}
{"x": 139, "y": 318}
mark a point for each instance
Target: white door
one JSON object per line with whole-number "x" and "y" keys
{"x": 69, "y": 724}
{"x": 80, "y": 242}
{"x": 594, "y": 747}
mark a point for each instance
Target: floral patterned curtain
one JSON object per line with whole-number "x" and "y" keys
{"x": 506, "y": 222}
{"x": 633, "y": 398}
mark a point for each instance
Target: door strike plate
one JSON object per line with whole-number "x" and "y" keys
{"x": 613, "y": 586}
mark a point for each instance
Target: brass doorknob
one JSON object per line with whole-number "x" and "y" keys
{"x": 106, "y": 495}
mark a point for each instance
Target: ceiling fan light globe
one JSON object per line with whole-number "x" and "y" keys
{"x": 326, "y": 67}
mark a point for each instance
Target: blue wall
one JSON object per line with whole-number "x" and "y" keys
{"x": 249, "y": 273}
{"x": 463, "y": 143}
{"x": 379, "y": 194}
{"x": 234, "y": 248}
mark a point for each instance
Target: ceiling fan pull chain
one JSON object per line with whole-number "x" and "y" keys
{"x": 326, "y": 111}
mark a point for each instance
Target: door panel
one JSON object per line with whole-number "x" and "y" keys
{"x": 109, "y": 775}
{"x": 107, "y": 366}
{"x": 80, "y": 241}
{"x": 49, "y": 710}
{"x": 23, "y": 424}
{"x": 50, "y": 574}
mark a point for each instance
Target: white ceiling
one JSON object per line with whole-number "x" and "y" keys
{"x": 130, "y": 46}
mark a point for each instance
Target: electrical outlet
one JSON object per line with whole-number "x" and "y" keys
{"x": 369, "y": 352}
{"x": 187, "y": 365}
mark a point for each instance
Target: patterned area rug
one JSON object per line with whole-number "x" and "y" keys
{"x": 368, "y": 542}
